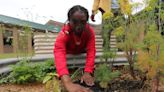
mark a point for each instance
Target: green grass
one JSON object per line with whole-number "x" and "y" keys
{"x": 13, "y": 55}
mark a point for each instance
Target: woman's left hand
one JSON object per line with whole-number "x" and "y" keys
{"x": 88, "y": 79}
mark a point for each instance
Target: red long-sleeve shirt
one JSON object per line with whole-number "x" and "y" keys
{"x": 68, "y": 43}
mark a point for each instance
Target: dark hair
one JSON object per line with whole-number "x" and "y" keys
{"x": 76, "y": 8}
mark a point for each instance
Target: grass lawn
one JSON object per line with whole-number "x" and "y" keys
{"x": 13, "y": 55}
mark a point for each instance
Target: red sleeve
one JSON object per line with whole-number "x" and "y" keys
{"x": 91, "y": 50}
{"x": 60, "y": 54}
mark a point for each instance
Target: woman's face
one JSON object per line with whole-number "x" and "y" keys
{"x": 78, "y": 22}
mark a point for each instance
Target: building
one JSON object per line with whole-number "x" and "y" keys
{"x": 12, "y": 29}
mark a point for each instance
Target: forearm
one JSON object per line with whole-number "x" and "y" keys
{"x": 89, "y": 66}
{"x": 95, "y": 6}
{"x": 90, "y": 60}
{"x": 60, "y": 63}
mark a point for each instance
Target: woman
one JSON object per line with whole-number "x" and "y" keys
{"x": 76, "y": 37}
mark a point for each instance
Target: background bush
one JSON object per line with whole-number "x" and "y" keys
{"x": 26, "y": 72}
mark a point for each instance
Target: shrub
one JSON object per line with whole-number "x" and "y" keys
{"x": 104, "y": 75}
{"x": 26, "y": 72}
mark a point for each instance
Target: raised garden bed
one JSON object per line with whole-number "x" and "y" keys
{"x": 123, "y": 83}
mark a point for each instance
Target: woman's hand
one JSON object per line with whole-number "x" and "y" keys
{"x": 88, "y": 79}
{"x": 71, "y": 87}
{"x": 93, "y": 17}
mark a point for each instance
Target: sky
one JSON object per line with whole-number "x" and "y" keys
{"x": 41, "y": 11}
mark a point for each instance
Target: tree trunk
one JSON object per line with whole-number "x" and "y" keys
{"x": 131, "y": 67}
{"x": 131, "y": 63}
{"x": 155, "y": 84}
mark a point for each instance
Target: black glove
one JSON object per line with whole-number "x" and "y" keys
{"x": 93, "y": 17}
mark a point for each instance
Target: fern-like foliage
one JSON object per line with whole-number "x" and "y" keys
{"x": 150, "y": 58}
{"x": 104, "y": 75}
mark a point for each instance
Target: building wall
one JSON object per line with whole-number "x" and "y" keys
{"x": 15, "y": 47}
{"x": 44, "y": 43}
{"x": 5, "y": 47}
{"x": 1, "y": 39}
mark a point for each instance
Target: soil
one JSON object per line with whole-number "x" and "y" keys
{"x": 119, "y": 86}
{"x": 31, "y": 87}
{"x": 125, "y": 83}
{"x": 38, "y": 87}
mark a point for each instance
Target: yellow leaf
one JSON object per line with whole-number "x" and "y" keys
{"x": 125, "y": 6}
{"x": 107, "y": 15}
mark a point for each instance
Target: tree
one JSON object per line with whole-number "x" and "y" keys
{"x": 150, "y": 57}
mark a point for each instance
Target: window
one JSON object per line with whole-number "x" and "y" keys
{"x": 7, "y": 37}
{"x": 8, "y": 41}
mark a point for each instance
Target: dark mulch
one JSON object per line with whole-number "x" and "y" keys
{"x": 119, "y": 86}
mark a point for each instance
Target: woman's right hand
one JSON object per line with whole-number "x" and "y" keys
{"x": 93, "y": 17}
{"x": 72, "y": 87}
